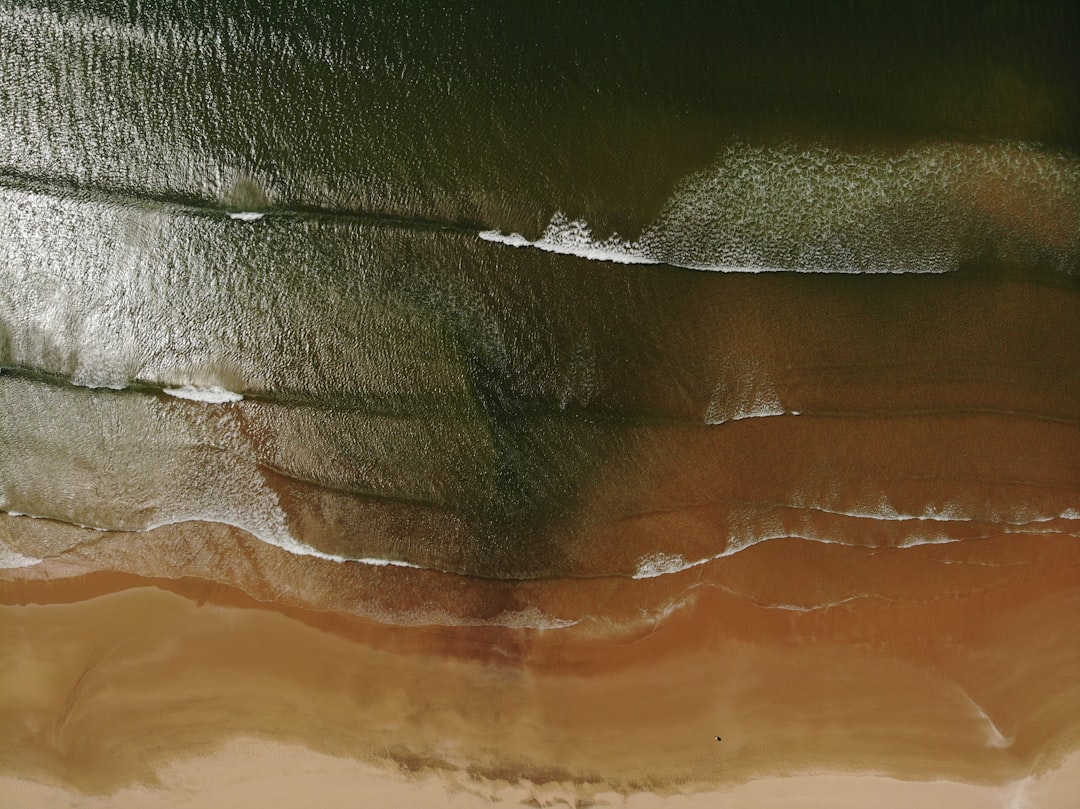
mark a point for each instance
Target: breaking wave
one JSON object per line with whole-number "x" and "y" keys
{"x": 826, "y": 210}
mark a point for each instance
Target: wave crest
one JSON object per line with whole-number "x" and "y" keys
{"x": 824, "y": 209}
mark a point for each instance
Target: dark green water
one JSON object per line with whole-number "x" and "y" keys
{"x": 508, "y": 261}
{"x": 500, "y": 115}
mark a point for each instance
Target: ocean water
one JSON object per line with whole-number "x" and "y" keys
{"x": 539, "y": 291}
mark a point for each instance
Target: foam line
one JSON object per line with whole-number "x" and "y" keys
{"x": 214, "y": 394}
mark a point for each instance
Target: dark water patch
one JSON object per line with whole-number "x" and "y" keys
{"x": 503, "y": 115}
{"x": 253, "y": 207}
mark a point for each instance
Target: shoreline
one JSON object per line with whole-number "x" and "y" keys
{"x": 111, "y": 689}
{"x": 279, "y": 775}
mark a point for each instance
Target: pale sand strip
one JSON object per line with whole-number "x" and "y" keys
{"x": 106, "y": 693}
{"x": 251, "y": 772}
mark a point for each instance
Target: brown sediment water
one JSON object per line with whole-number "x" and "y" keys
{"x": 916, "y": 663}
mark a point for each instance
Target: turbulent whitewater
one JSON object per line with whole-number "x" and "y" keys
{"x": 824, "y": 209}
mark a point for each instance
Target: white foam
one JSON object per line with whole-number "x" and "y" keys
{"x": 745, "y": 393}
{"x": 615, "y": 250}
{"x": 784, "y": 208}
{"x": 56, "y": 519}
{"x": 246, "y": 216}
{"x": 813, "y": 607}
{"x": 370, "y": 560}
{"x": 994, "y": 737}
{"x": 10, "y": 559}
{"x": 214, "y": 394}
{"x": 574, "y": 238}
{"x": 661, "y": 564}
{"x": 764, "y": 412}
{"x": 511, "y": 239}
{"x": 945, "y": 514}
{"x": 529, "y": 618}
{"x": 279, "y": 537}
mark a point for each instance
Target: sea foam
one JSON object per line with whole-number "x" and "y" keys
{"x": 661, "y": 564}
{"x": 271, "y": 534}
{"x": 574, "y": 238}
{"x": 786, "y": 208}
{"x": 274, "y": 532}
{"x": 10, "y": 559}
{"x": 993, "y": 735}
{"x": 213, "y": 394}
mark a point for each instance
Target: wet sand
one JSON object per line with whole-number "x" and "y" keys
{"x": 943, "y": 665}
